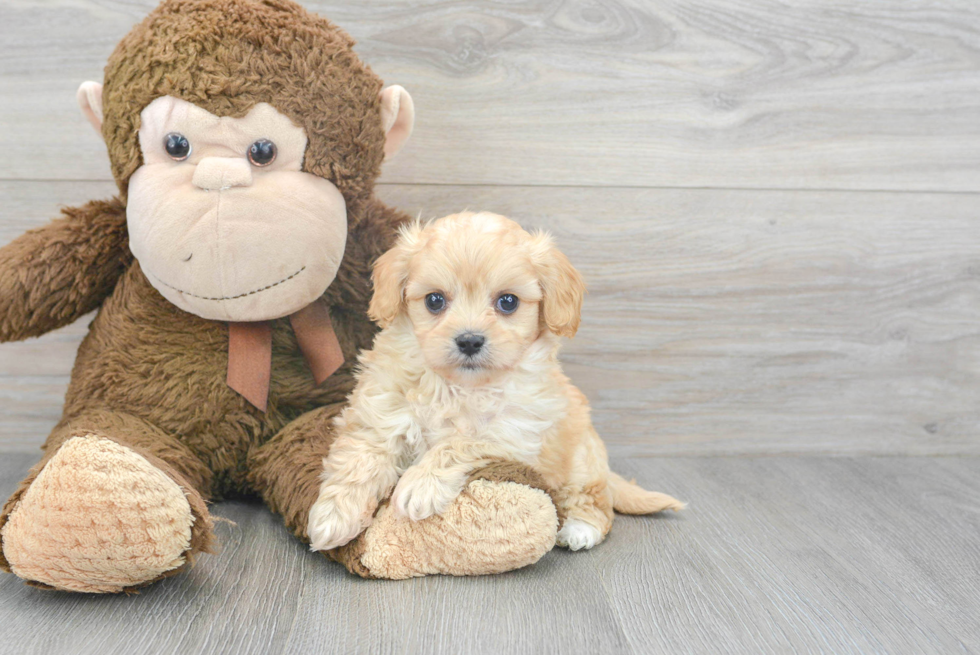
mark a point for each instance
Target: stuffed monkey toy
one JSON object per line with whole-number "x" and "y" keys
{"x": 231, "y": 277}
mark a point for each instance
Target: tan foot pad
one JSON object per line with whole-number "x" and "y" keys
{"x": 491, "y": 528}
{"x": 98, "y": 518}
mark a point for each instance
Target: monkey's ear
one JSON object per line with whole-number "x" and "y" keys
{"x": 397, "y": 118}
{"x": 90, "y": 100}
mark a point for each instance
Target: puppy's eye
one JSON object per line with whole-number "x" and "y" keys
{"x": 177, "y": 146}
{"x": 262, "y": 152}
{"x": 435, "y": 302}
{"x": 507, "y": 303}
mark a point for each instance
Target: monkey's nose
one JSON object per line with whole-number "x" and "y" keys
{"x": 217, "y": 173}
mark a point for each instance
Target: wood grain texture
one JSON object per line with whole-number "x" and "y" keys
{"x": 712, "y": 93}
{"x": 736, "y": 321}
{"x": 774, "y": 555}
{"x": 801, "y": 555}
{"x": 720, "y": 322}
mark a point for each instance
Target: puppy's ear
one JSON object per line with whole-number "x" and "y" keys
{"x": 391, "y": 275}
{"x": 561, "y": 285}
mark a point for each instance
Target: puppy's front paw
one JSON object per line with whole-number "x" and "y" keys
{"x": 576, "y": 535}
{"x": 330, "y": 526}
{"x": 421, "y": 495}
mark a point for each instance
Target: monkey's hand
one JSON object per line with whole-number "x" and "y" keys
{"x": 51, "y": 276}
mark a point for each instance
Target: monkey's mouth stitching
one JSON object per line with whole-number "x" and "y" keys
{"x": 241, "y": 295}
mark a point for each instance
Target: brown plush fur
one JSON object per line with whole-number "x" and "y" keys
{"x": 152, "y": 377}
{"x": 225, "y": 56}
{"x": 54, "y": 274}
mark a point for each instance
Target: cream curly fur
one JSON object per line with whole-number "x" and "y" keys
{"x": 424, "y": 415}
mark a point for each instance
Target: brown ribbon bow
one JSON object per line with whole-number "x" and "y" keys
{"x": 250, "y": 352}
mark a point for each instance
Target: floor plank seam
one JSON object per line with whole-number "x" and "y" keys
{"x": 299, "y": 602}
{"x": 609, "y": 601}
{"x": 611, "y": 187}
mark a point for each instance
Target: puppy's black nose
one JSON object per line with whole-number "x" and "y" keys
{"x": 469, "y": 344}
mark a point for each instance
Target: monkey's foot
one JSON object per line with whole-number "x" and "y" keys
{"x": 98, "y": 518}
{"x": 503, "y": 520}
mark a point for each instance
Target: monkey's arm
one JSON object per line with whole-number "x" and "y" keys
{"x": 379, "y": 228}
{"x": 52, "y": 275}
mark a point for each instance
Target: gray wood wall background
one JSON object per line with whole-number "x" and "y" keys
{"x": 776, "y": 204}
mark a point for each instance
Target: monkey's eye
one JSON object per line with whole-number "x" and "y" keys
{"x": 507, "y": 303}
{"x": 262, "y": 152}
{"x": 435, "y": 302}
{"x": 177, "y": 146}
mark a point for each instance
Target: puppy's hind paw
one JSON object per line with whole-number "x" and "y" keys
{"x": 576, "y": 535}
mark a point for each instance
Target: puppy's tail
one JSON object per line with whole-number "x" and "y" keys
{"x": 630, "y": 498}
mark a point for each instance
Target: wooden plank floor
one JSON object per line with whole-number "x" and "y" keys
{"x": 713, "y": 93}
{"x": 718, "y": 321}
{"x": 774, "y": 555}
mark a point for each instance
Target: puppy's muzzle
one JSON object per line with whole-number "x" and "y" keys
{"x": 470, "y": 343}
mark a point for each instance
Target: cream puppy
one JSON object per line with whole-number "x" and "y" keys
{"x": 465, "y": 372}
